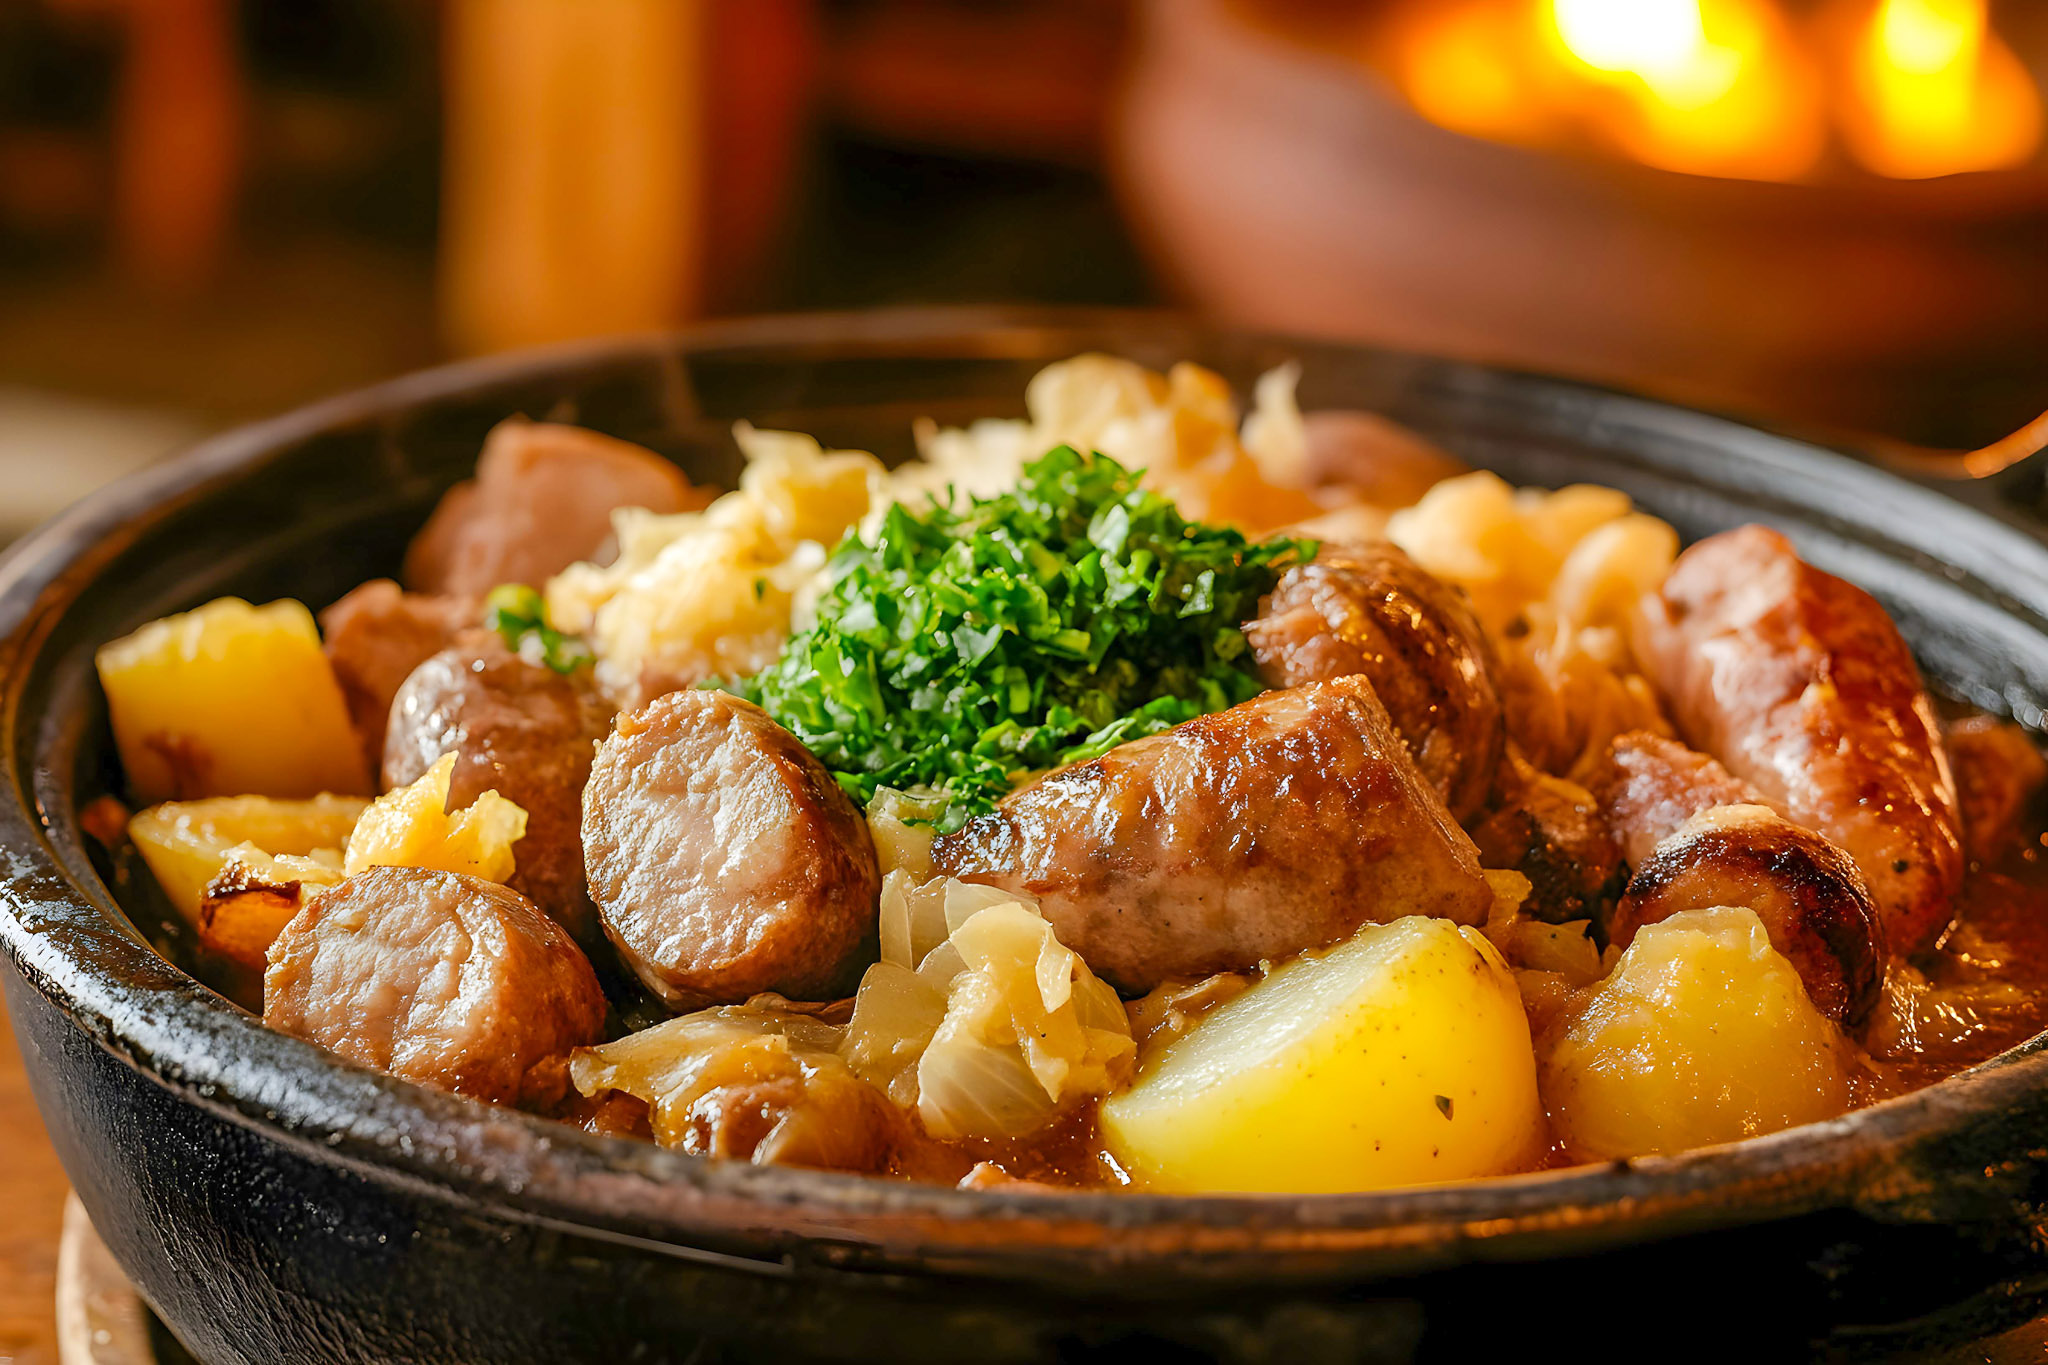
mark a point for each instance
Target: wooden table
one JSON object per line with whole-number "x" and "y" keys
{"x": 32, "y": 1190}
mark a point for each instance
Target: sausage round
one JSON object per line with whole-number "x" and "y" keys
{"x": 1802, "y": 686}
{"x": 723, "y": 857}
{"x": 449, "y": 980}
{"x": 1280, "y": 824}
{"x": 520, "y": 729}
{"x": 1370, "y": 609}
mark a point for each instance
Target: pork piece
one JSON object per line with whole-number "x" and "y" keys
{"x": 376, "y": 636}
{"x": 520, "y": 729}
{"x": 1552, "y": 831}
{"x": 1370, "y": 609}
{"x": 1801, "y": 685}
{"x": 449, "y": 980}
{"x": 1999, "y": 779}
{"x": 542, "y": 499}
{"x": 753, "y": 1083}
{"x": 1650, "y": 786}
{"x": 723, "y": 857}
{"x": 1388, "y": 465}
{"x": 1281, "y": 824}
{"x": 1810, "y": 895}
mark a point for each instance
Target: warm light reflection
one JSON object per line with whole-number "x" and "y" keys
{"x": 1935, "y": 92}
{"x": 1724, "y": 87}
{"x": 1716, "y": 87}
{"x": 1462, "y": 65}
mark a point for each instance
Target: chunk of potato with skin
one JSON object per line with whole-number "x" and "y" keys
{"x": 230, "y": 699}
{"x": 186, "y": 844}
{"x": 1399, "y": 1057}
{"x": 412, "y": 827}
{"x": 1702, "y": 1034}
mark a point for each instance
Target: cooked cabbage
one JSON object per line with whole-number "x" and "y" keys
{"x": 761, "y": 1082}
{"x": 413, "y": 827}
{"x": 997, "y": 1029}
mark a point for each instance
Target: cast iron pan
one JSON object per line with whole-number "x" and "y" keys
{"x": 277, "y": 1205}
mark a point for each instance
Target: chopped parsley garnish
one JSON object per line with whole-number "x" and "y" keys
{"x": 519, "y": 616}
{"x": 961, "y": 648}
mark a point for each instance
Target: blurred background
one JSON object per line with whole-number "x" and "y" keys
{"x": 1831, "y": 213}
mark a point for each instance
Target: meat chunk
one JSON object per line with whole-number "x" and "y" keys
{"x": 542, "y": 499}
{"x": 1809, "y": 894}
{"x": 723, "y": 857}
{"x": 376, "y": 636}
{"x": 1551, "y": 830}
{"x": 1369, "y": 609}
{"x": 448, "y": 980}
{"x": 1651, "y": 785}
{"x": 1801, "y": 685}
{"x": 1281, "y": 824}
{"x": 520, "y": 729}
{"x": 1386, "y": 463}
{"x": 1999, "y": 779}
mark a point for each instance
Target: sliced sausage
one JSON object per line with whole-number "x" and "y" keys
{"x": 1802, "y": 686}
{"x": 723, "y": 857}
{"x": 1370, "y": 609}
{"x": 440, "y": 978}
{"x": 1552, "y": 831}
{"x": 1999, "y": 779}
{"x": 519, "y": 729}
{"x": 1281, "y": 824}
{"x": 375, "y": 637}
{"x": 1809, "y": 894}
{"x": 542, "y": 499}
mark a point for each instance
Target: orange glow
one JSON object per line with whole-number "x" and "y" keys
{"x": 1462, "y": 65}
{"x": 1723, "y": 87}
{"x": 1933, "y": 91}
{"x": 1714, "y": 87}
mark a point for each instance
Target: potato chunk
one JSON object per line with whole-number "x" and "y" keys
{"x": 1702, "y": 1034}
{"x": 230, "y": 699}
{"x": 1399, "y": 1057}
{"x": 187, "y": 844}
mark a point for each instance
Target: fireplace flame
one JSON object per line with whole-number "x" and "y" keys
{"x": 1935, "y": 92}
{"x": 1907, "y": 88}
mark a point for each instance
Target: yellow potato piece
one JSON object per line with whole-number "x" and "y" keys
{"x": 1702, "y": 1034}
{"x": 1399, "y": 1057}
{"x": 187, "y": 843}
{"x": 229, "y": 699}
{"x": 413, "y": 827}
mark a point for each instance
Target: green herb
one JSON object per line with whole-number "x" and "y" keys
{"x": 962, "y": 648}
{"x": 518, "y": 614}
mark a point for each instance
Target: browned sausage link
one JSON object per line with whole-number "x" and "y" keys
{"x": 723, "y": 857}
{"x": 520, "y": 729}
{"x": 440, "y": 978}
{"x": 1281, "y": 824}
{"x": 1650, "y": 785}
{"x": 1809, "y": 894}
{"x": 1553, "y": 832}
{"x": 1803, "y": 687}
{"x": 1999, "y": 779}
{"x": 1370, "y": 609}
